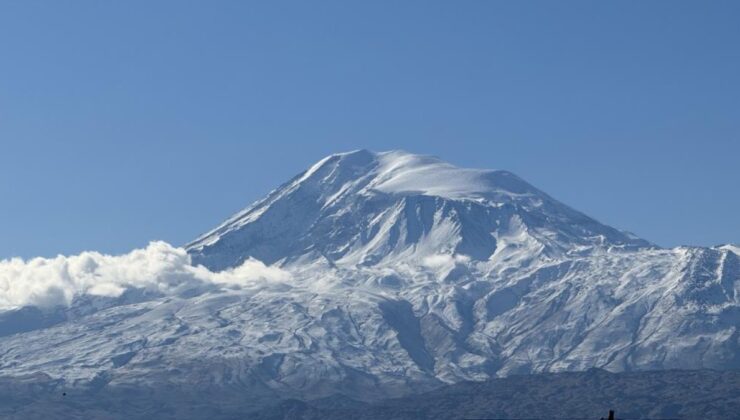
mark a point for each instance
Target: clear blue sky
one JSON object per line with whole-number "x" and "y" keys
{"x": 124, "y": 122}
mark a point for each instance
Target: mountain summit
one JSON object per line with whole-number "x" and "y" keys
{"x": 396, "y": 273}
{"x": 363, "y": 207}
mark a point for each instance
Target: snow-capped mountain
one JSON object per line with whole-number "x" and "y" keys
{"x": 400, "y": 272}
{"x": 364, "y": 208}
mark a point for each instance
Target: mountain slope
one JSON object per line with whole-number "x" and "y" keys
{"x": 404, "y": 273}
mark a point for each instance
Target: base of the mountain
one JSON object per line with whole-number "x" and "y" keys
{"x": 671, "y": 394}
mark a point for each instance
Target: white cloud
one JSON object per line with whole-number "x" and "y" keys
{"x": 443, "y": 264}
{"x": 159, "y": 267}
{"x": 444, "y": 261}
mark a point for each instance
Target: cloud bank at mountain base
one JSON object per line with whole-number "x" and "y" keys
{"x": 159, "y": 268}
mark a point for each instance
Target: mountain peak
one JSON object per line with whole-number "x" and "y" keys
{"x": 363, "y": 207}
{"x": 401, "y": 172}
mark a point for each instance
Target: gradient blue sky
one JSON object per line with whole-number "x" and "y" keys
{"x": 124, "y": 122}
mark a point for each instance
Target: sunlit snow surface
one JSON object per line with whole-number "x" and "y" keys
{"x": 386, "y": 271}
